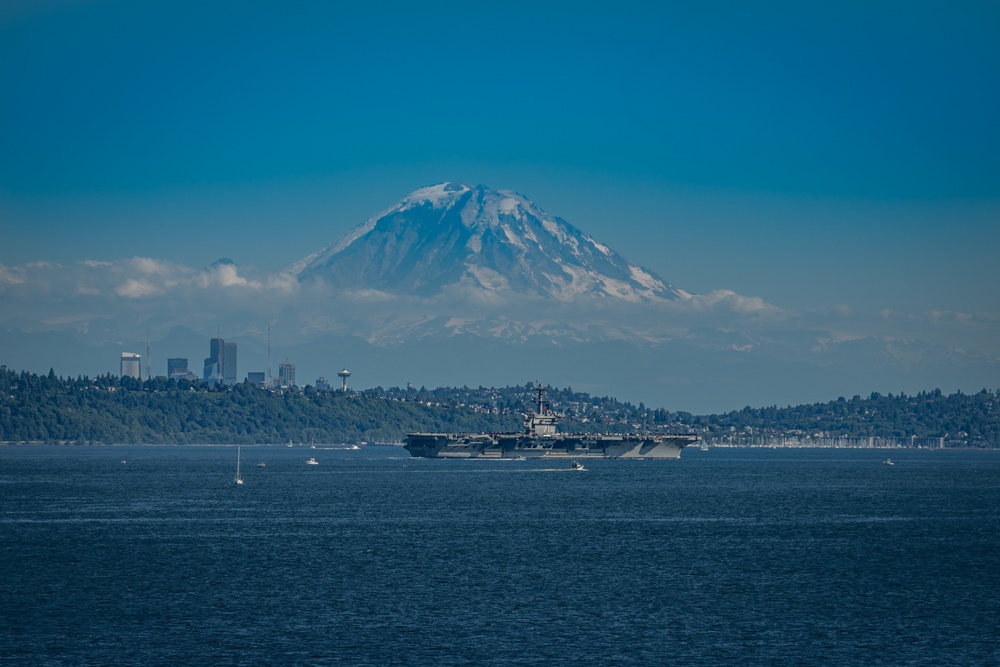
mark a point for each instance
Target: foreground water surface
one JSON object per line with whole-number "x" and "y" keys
{"x": 153, "y": 556}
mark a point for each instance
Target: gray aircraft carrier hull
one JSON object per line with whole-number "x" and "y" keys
{"x": 541, "y": 439}
{"x": 516, "y": 445}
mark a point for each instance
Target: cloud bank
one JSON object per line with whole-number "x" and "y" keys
{"x": 140, "y": 293}
{"x": 708, "y": 352}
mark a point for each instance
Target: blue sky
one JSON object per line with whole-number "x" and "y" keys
{"x": 816, "y": 155}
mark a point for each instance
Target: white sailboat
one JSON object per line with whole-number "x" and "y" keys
{"x": 239, "y": 480}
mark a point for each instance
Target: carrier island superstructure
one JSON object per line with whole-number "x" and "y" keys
{"x": 540, "y": 439}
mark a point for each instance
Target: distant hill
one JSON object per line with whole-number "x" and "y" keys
{"x": 107, "y": 409}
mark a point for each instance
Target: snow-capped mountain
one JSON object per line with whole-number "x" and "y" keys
{"x": 452, "y": 237}
{"x": 465, "y": 285}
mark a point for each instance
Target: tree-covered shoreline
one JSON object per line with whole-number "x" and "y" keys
{"x": 112, "y": 410}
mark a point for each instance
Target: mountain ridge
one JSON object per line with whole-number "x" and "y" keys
{"x": 474, "y": 240}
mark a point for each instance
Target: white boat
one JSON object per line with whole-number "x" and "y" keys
{"x": 239, "y": 480}
{"x": 261, "y": 465}
{"x": 888, "y": 462}
{"x": 577, "y": 466}
{"x": 312, "y": 462}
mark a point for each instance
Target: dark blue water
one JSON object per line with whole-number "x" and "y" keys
{"x": 777, "y": 557}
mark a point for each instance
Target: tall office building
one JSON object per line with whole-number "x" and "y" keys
{"x": 286, "y": 373}
{"x": 132, "y": 365}
{"x": 213, "y": 367}
{"x": 229, "y": 363}
{"x": 221, "y": 363}
{"x": 177, "y": 368}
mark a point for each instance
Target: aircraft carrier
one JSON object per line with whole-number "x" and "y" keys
{"x": 540, "y": 439}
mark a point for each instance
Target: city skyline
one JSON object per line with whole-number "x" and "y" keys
{"x": 177, "y": 368}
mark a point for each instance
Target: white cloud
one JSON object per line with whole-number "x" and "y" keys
{"x": 281, "y": 282}
{"x": 728, "y": 301}
{"x": 368, "y": 295}
{"x": 11, "y": 276}
{"x": 137, "y": 289}
{"x": 224, "y": 275}
{"x": 153, "y": 267}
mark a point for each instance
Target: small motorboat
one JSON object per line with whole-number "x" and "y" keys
{"x": 577, "y": 466}
{"x": 312, "y": 462}
{"x": 261, "y": 465}
{"x": 888, "y": 462}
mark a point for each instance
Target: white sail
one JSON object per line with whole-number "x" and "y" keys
{"x": 239, "y": 480}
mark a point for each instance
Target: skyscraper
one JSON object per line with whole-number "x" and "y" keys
{"x": 177, "y": 368}
{"x": 286, "y": 373}
{"x": 131, "y": 365}
{"x": 213, "y": 365}
{"x": 229, "y": 363}
{"x": 221, "y": 363}
{"x": 212, "y": 371}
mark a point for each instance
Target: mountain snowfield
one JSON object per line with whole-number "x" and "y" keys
{"x": 461, "y": 239}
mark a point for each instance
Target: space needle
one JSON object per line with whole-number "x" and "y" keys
{"x": 343, "y": 375}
